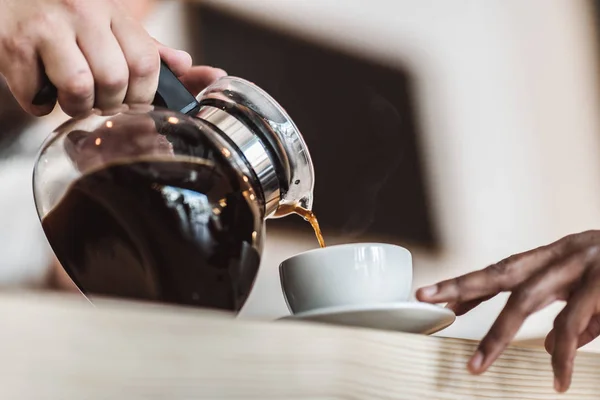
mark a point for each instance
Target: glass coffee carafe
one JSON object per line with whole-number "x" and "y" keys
{"x": 167, "y": 203}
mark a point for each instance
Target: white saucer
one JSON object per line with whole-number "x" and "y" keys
{"x": 410, "y": 317}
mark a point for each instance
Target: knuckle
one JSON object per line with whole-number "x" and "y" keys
{"x": 563, "y": 246}
{"x": 571, "y": 237}
{"x": 114, "y": 82}
{"x": 81, "y": 86}
{"x": 559, "y": 249}
{"x": 461, "y": 288}
{"x": 592, "y": 253}
{"x": 504, "y": 273}
{"x": 506, "y": 266}
{"x": 44, "y": 23}
{"x": 18, "y": 47}
{"x": 589, "y": 235}
{"x": 499, "y": 268}
{"x": 574, "y": 241}
{"x": 146, "y": 65}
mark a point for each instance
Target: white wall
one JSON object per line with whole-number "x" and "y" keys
{"x": 508, "y": 104}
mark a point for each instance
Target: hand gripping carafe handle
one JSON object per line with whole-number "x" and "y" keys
{"x": 171, "y": 93}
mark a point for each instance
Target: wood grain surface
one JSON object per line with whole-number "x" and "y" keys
{"x": 57, "y": 347}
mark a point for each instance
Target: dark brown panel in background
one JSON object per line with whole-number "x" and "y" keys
{"x": 356, "y": 116}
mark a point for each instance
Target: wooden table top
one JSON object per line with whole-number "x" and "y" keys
{"x": 61, "y": 347}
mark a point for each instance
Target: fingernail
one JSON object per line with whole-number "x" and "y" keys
{"x": 429, "y": 291}
{"x": 476, "y": 361}
{"x": 221, "y": 72}
{"x": 557, "y": 385}
{"x": 183, "y": 53}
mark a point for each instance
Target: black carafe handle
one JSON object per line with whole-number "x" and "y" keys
{"x": 171, "y": 93}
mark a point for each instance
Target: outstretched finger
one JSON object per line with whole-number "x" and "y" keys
{"x": 503, "y": 276}
{"x": 569, "y": 326}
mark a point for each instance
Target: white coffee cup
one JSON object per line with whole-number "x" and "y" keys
{"x": 346, "y": 275}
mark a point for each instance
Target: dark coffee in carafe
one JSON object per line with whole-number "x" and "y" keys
{"x": 173, "y": 229}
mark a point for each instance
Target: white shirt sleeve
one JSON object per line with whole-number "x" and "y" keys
{"x": 25, "y": 256}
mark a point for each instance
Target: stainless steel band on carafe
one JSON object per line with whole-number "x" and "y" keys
{"x": 253, "y": 150}
{"x": 266, "y": 137}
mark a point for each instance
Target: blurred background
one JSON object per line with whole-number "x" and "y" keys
{"x": 465, "y": 131}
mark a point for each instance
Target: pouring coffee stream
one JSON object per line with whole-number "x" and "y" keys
{"x": 308, "y": 216}
{"x": 168, "y": 203}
